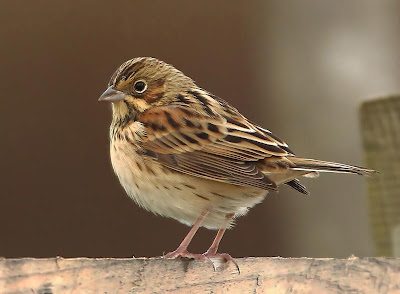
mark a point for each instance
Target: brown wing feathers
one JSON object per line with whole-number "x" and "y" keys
{"x": 209, "y": 146}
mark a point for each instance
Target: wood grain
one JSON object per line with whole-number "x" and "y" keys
{"x": 157, "y": 275}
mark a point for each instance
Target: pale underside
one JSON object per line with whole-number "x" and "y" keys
{"x": 179, "y": 196}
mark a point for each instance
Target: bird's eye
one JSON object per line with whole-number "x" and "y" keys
{"x": 140, "y": 86}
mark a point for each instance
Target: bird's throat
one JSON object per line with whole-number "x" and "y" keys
{"x": 120, "y": 109}
{"x": 122, "y": 114}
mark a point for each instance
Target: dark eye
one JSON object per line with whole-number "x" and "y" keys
{"x": 140, "y": 86}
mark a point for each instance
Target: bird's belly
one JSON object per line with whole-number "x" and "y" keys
{"x": 179, "y": 196}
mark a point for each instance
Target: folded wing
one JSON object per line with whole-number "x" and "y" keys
{"x": 220, "y": 148}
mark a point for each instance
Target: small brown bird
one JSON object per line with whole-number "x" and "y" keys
{"x": 184, "y": 153}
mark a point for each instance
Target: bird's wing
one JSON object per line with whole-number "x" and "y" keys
{"x": 221, "y": 148}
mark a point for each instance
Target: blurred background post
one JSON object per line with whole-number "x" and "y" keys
{"x": 380, "y": 121}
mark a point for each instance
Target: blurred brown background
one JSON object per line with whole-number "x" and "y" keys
{"x": 301, "y": 69}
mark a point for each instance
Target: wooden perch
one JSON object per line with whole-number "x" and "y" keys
{"x": 157, "y": 275}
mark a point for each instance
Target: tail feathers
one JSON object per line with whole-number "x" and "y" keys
{"x": 313, "y": 165}
{"x": 295, "y": 184}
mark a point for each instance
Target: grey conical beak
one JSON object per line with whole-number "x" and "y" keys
{"x": 112, "y": 95}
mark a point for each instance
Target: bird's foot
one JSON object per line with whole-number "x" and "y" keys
{"x": 184, "y": 254}
{"x": 207, "y": 256}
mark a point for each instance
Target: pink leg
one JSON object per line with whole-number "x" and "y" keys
{"x": 181, "y": 251}
{"x": 214, "y": 246}
{"x": 212, "y": 251}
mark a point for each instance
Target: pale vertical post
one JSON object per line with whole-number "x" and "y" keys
{"x": 380, "y": 127}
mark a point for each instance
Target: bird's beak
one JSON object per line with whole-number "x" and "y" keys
{"x": 112, "y": 95}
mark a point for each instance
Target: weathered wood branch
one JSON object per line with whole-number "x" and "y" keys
{"x": 157, "y": 275}
{"x": 380, "y": 122}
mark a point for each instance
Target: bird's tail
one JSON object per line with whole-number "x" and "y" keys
{"x": 314, "y": 165}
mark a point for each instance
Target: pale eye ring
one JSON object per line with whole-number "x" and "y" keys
{"x": 140, "y": 86}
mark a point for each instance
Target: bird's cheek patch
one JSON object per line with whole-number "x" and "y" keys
{"x": 139, "y": 104}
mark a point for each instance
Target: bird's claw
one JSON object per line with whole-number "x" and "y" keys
{"x": 224, "y": 256}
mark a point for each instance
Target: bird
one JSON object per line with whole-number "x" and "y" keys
{"x": 183, "y": 153}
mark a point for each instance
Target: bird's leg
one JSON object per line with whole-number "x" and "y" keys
{"x": 212, "y": 251}
{"x": 181, "y": 251}
{"x": 214, "y": 246}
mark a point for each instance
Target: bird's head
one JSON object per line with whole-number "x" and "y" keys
{"x": 142, "y": 83}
